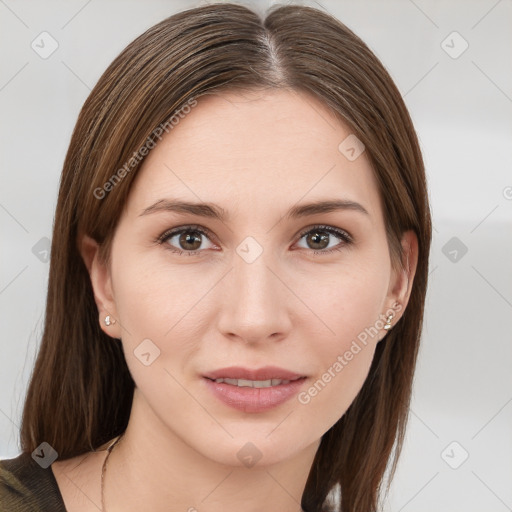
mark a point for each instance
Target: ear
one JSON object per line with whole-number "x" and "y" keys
{"x": 101, "y": 281}
{"x": 400, "y": 285}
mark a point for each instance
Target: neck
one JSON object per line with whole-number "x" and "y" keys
{"x": 153, "y": 469}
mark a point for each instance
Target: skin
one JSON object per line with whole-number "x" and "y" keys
{"x": 256, "y": 155}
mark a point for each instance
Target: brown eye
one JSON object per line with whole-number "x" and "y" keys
{"x": 322, "y": 239}
{"x": 317, "y": 240}
{"x": 188, "y": 240}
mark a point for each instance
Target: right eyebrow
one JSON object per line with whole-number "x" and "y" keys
{"x": 200, "y": 209}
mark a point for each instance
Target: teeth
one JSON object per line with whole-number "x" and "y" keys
{"x": 253, "y": 383}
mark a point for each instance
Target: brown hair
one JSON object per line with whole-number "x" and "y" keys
{"x": 81, "y": 391}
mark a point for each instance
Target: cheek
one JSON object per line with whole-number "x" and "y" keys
{"x": 164, "y": 304}
{"x": 347, "y": 299}
{"x": 331, "y": 393}
{"x": 155, "y": 310}
{"x": 350, "y": 305}
{"x": 151, "y": 295}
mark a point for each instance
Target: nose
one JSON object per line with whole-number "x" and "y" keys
{"x": 255, "y": 302}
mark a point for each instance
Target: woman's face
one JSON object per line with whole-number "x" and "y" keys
{"x": 255, "y": 279}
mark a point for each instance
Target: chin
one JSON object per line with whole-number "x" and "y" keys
{"x": 254, "y": 448}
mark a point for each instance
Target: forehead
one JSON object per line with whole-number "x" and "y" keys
{"x": 255, "y": 150}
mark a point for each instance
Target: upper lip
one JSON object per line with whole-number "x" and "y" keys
{"x": 265, "y": 373}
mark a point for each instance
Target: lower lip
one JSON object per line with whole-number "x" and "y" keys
{"x": 248, "y": 399}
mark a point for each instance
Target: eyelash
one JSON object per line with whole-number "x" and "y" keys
{"x": 339, "y": 233}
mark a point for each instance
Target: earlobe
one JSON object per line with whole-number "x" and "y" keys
{"x": 101, "y": 282}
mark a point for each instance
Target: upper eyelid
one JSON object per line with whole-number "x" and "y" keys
{"x": 188, "y": 227}
{"x": 325, "y": 227}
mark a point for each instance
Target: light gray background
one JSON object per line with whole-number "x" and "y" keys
{"x": 462, "y": 111}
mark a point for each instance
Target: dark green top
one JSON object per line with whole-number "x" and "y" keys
{"x": 26, "y": 487}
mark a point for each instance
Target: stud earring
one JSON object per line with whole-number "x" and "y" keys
{"x": 389, "y": 319}
{"x": 109, "y": 320}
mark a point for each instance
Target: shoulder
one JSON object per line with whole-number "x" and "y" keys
{"x": 26, "y": 486}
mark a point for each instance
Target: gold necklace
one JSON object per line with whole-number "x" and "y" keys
{"x": 104, "y": 469}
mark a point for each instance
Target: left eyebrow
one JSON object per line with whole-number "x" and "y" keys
{"x": 213, "y": 211}
{"x": 315, "y": 208}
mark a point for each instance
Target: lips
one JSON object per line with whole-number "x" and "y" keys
{"x": 253, "y": 391}
{"x": 265, "y": 373}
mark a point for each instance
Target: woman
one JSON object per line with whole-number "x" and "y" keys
{"x": 237, "y": 280}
